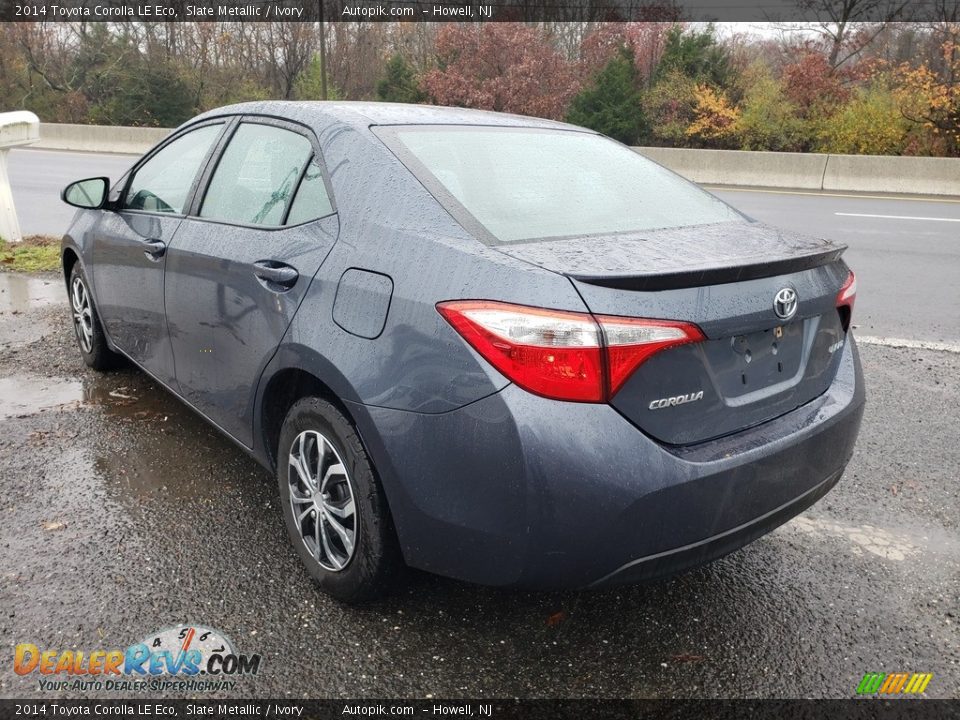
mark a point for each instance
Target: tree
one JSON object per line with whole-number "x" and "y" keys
{"x": 355, "y": 57}
{"x": 151, "y": 94}
{"x": 310, "y": 84}
{"x": 769, "y": 118}
{"x": 399, "y": 83}
{"x": 644, "y": 40}
{"x": 611, "y": 104}
{"x": 288, "y": 48}
{"x": 847, "y": 27}
{"x": 510, "y": 67}
{"x": 670, "y": 108}
{"x": 870, "y": 124}
{"x": 813, "y": 85}
{"x": 715, "y": 119}
{"x": 696, "y": 55}
{"x": 931, "y": 100}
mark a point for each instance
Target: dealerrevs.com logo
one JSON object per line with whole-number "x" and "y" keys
{"x": 188, "y": 658}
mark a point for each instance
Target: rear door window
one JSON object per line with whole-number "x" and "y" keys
{"x": 257, "y": 176}
{"x": 312, "y": 200}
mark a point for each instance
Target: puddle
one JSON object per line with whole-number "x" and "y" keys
{"x": 23, "y": 395}
{"x": 150, "y": 432}
{"x": 19, "y": 293}
{"x": 124, "y": 397}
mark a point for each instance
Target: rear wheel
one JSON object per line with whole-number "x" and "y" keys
{"x": 86, "y": 324}
{"x": 333, "y": 505}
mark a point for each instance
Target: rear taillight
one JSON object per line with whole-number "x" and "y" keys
{"x": 631, "y": 341}
{"x": 550, "y": 353}
{"x": 562, "y": 355}
{"x": 846, "y": 299}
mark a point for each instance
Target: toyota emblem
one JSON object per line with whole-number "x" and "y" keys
{"x": 785, "y": 303}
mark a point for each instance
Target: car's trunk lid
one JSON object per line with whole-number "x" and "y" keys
{"x": 753, "y": 366}
{"x": 679, "y": 257}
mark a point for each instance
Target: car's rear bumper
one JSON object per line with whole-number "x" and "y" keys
{"x": 515, "y": 489}
{"x": 703, "y": 551}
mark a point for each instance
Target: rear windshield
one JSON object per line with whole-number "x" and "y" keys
{"x": 523, "y": 184}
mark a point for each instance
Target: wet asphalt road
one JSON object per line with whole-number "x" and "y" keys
{"x": 123, "y": 513}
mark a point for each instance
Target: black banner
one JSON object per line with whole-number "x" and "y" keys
{"x": 478, "y": 10}
{"x": 874, "y": 709}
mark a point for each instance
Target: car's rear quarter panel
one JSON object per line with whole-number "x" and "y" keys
{"x": 415, "y": 379}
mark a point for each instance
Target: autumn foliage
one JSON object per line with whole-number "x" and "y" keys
{"x": 812, "y": 85}
{"x": 874, "y": 89}
{"x": 926, "y": 100}
{"x": 715, "y": 119}
{"x": 508, "y": 67}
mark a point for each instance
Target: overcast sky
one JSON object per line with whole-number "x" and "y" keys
{"x": 759, "y": 29}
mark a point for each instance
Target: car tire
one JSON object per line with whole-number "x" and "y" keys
{"x": 373, "y": 564}
{"x": 87, "y": 328}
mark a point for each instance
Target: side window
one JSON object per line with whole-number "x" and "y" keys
{"x": 256, "y": 176}
{"x": 311, "y": 201}
{"x": 162, "y": 183}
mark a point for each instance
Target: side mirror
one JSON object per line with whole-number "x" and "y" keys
{"x": 90, "y": 194}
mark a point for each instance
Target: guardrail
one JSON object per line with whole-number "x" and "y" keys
{"x": 850, "y": 173}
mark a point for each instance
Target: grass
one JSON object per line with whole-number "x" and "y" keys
{"x": 35, "y": 253}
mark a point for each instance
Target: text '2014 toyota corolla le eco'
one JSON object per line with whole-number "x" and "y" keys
{"x": 497, "y": 348}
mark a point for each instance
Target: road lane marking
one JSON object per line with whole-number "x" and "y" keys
{"x": 818, "y": 193}
{"x": 909, "y": 344}
{"x": 898, "y": 217}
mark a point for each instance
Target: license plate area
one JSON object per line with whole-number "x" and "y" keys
{"x": 744, "y": 364}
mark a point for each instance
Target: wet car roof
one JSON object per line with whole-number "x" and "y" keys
{"x": 364, "y": 114}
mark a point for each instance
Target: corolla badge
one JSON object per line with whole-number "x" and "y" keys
{"x": 785, "y": 303}
{"x": 676, "y": 400}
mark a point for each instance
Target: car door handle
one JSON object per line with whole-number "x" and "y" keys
{"x": 276, "y": 273}
{"x": 154, "y": 248}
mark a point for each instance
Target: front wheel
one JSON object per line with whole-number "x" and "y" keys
{"x": 334, "y": 508}
{"x": 86, "y": 324}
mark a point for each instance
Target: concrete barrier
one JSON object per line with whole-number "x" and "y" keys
{"x": 811, "y": 171}
{"x": 804, "y": 171}
{"x": 912, "y": 175}
{"x": 739, "y": 167}
{"x": 99, "y": 138}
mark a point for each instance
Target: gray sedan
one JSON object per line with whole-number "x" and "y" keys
{"x": 492, "y": 347}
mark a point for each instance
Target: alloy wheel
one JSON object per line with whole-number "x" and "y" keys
{"x": 322, "y": 500}
{"x": 82, "y": 314}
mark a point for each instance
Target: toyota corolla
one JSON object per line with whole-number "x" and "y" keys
{"x": 497, "y": 348}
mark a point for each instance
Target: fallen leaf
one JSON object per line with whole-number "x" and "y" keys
{"x": 686, "y": 657}
{"x": 54, "y": 525}
{"x": 557, "y": 618}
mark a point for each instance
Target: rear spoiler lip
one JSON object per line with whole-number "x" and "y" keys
{"x": 675, "y": 280}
